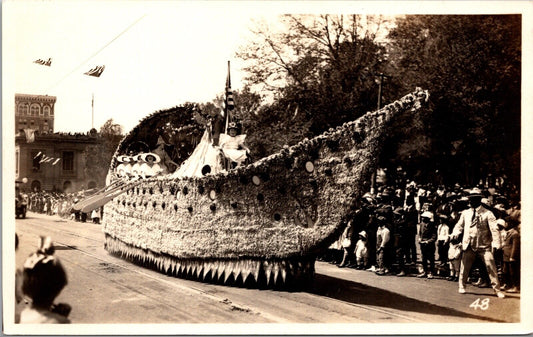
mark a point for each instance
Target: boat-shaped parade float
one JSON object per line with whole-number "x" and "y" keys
{"x": 258, "y": 224}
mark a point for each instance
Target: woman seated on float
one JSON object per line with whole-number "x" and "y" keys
{"x": 150, "y": 166}
{"x": 123, "y": 170}
{"x": 166, "y": 163}
{"x": 232, "y": 145}
{"x": 136, "y": 166}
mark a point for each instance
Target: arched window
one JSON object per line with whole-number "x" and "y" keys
{"x": 36, "y": 186}
{"x": 46, "y": 110}
{"x": 67, "y": 186}
{"x": 23, "y": 109}
{"x": 35, "y": 110}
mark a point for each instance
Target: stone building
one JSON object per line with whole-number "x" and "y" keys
{"x": 50, "y": 161}
{"x": 34, "y": 112}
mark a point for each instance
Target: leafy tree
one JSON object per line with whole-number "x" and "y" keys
{"x": 319, "y": 71}
{"x": 98, "y": 156}
{"x": 471, "y": 66}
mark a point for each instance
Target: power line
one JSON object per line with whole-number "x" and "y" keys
{"x": 96, "y": 53}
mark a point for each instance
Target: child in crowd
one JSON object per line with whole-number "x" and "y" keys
{"x": 443, "y": 237}
{"x": 43, "y": 279}
{"x": 454, "y": 259}
{"x": 426, "y": 238}
{"x": 361, "y": 253}
{"x": 511, "y": 255}
{"x": 95, "y": 215}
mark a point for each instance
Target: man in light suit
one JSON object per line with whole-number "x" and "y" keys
{"x": 480, "y": 234}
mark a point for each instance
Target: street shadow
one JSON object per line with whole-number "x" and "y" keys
{"x": 363, "y": 294}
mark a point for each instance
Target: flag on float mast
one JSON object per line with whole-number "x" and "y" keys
{"x": 96, "y": 71}
{"x": 229, "y": 103}
{"x": 47, "y": 63}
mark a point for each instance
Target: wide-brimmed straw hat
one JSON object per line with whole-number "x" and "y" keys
{"x": 427, "y": 215}
{"x": 123, "y": 159}
{"x": 475, "y": 193}
{"x": 232, "y": 125}
{"x": 144, "y": 157}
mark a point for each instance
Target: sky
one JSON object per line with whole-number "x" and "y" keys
{"x": 157, "y": 54}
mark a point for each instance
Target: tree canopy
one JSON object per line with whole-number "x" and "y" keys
{"x": 323, "y": 70}
{"x": 98, "y": 156}
{"x": 471, "y": 65}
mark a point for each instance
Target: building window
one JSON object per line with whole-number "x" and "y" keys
{"x": 67, "y": 186}
{"x": 23, "y": 109}
{"x": 17, "y": 163}
{"x": 68, "y": 161}
{"x": 36, "y": 186}
{"x": 35, "y": 110}
{"x": 36, "y": 157}
{"x": 46, "y": 110}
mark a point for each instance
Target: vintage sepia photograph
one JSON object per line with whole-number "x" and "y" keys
{"x": 226, "y": 167}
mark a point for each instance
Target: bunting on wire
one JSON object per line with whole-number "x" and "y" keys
{"x": 96, "y": 71}
{"x": 37, "y": 155}
{"x": 45, "y": 159}
{"x": 47, "y": 63}
{"x": 56, "y": 161}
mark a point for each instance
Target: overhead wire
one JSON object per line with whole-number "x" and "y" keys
{"x": 96, "y": 53}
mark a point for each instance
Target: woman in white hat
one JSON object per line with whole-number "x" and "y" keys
{"x": 136, "y": 166}
{"x": 232, "y": 145}
{"x": 150, "y": 166}
{"x": 123, "y": 169}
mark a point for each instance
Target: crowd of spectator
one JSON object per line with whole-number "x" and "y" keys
{"x": 407, "y": 228}
{"x": 44, "y": 202}
{"x": 57, "y": 203}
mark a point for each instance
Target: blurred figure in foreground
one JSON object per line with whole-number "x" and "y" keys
{"x": 43, "y": 279}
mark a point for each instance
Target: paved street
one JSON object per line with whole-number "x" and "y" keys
{"x": 105, "y": 289}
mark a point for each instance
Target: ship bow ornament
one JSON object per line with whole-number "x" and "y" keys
{"x": 259, "y": 224}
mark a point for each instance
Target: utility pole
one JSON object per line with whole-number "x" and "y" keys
{"x": 92, "y": 113}
{"x": 380, "y": 90}
{"x": 380, "y": 93}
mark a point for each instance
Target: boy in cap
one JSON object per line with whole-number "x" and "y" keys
{"x": 427, "y": 236}
{"x": 382, "y": 242}
{"x": 361, "y": 252}
{"x": 511, "y": 255}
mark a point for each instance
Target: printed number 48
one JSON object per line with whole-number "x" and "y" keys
{"x": 481, "y": 304}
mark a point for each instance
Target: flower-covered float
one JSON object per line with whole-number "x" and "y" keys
{"x": 260, "y": 224}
